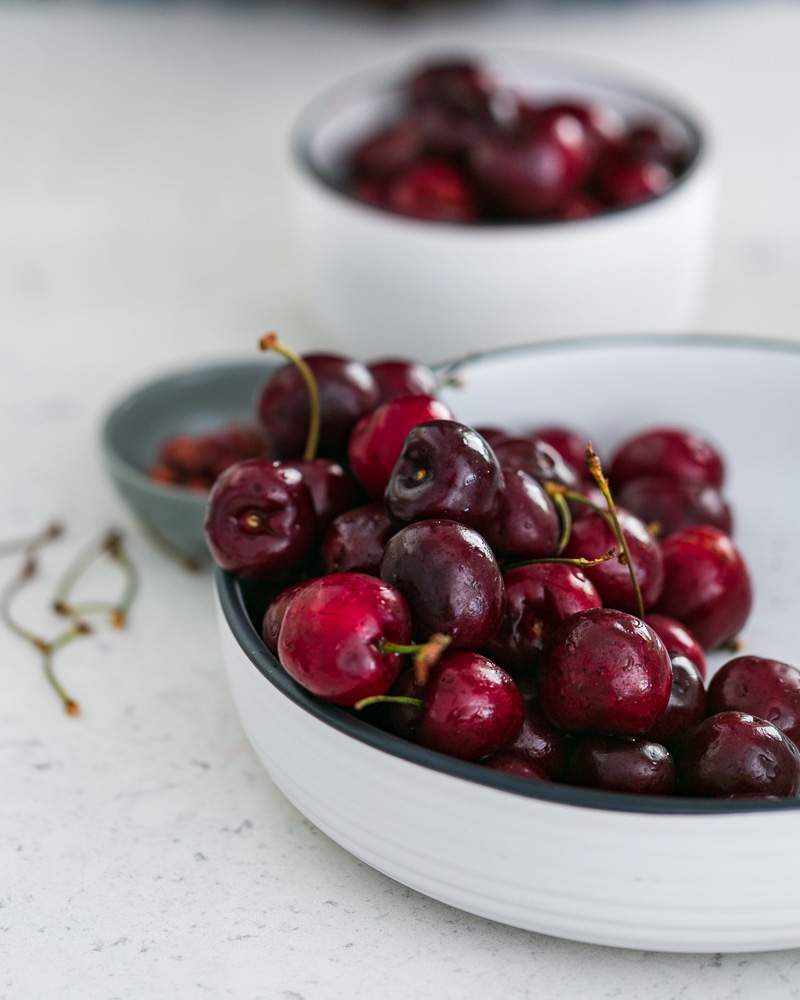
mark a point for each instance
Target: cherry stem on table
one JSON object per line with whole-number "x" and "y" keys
{"x": 426, "y": 654}
{"x": 270, "y": 342}
{"x": 388, "y": 699}
{"x": 29, "y": 543}
{"x": 110, "y": 544}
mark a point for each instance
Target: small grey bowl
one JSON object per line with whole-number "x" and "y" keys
{"x": 191, "y": 401}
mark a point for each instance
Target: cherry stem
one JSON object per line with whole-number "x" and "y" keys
{"x": 270, "y": 342}
{"x": 595, "y": 468}
{"x": 110, "y": 544}
{"x": 388, "y": 699}
{"x": 30, "y": 543}
{"x": 554, "y": 490}
{"x": 426, "y": 654}
{"x": 565, "y": 516}
{"x": 578, "y": 561}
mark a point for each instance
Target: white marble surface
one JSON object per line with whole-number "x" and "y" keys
{"x": 142, "y": 222}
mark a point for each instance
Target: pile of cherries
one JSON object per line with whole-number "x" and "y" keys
{"x": 194, "y": 461}
{"x": 479, "y": 592}
{"x": 466, "y": 149}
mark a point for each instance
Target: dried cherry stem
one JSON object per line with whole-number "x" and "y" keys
{"x": 110, "y": 544}
{"x": 565, "y": 516}
{"x": 71, "y": 707}
{"x": 595, "y": 468}
{"x": 426, "y": 654}
{"x": 270, "y": 342}
{"x": 578, "y": 561}
{"x": 30, "y": 543}
{"x": 27, "y": 571}
{"x": 119, "y": 614}
{"x": 388, "y": 699}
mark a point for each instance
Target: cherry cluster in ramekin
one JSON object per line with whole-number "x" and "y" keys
{"x": 479, "y": 591}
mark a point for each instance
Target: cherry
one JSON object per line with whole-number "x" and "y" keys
{"x": 378, "y": 438}
{"x": 626, "y": 181}
{"x": 706, "y": 584}
{"x": 570, "y": 445}
{"x": 434, "y": 190}
{"x": 338, "y": 634}
{"x": 538, "y": 598}
{"x": 260, "y": 519}
{"x": 666, "y": 451}
{"x": 604, "y": 127}
{"x": 734, "y": 753}
{"x": 605, "y": 671}
{"x": 445, "y": 469}
{"x": 622, "y": 765}
{"x": 471, "y": 708}
{"x": 389, "y": 150}
{"x": 450, "y": 578}
{"x": 451, "y": 133}
{"x": 578, "y": 206}
{"x": 458, "y": 85}
{"x": 592, "y": 535}
{"x": 493, "y": 435}
{"x": 539, "y": 743}
{"x": 402, "y": 377}
{"x": 654, "y": 142}
{"x": 511, "y": 763}
{"x": 765, "y": 688}
{"x": 354, "y": 543}
{"x": 524, "y": 522}
{"x": 534, "y": 171}
{"x": 671, "y": 504}
{"x": 370, "y": 191}
{"x": 537, "y": 458}
{"x": 687, "y": 702}
{"x": 332, "y": 490}
{"x": 678, "y": 640}
{"x": 276, "y": 609}
{"x": 347, "y": 391}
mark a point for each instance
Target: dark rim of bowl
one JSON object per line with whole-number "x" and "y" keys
{"x": 233, "y": 607}
{"x": 387, "y": 79}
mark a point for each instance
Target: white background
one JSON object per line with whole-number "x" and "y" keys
{"x": 143, "y": 852}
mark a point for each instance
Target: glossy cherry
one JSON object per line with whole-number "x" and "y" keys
{"x": 493, "y": 435}
{"x": 450, "y": 578}
{"x": 378, "y": 439}
{"x": 687, "y": 703}
{"x": 355, "y": 541}
{"x": 641, "y": 765}
{"x": 347, "y": 391}
{"x": 389, "y": 150}
{"x": 445, "y": 469}
{"x": 678, "y": 640}
{"x": 592, "y": 535}
{"x": 508, "y": 762}
{"x": 460, "y": 85}
{"x": 332, "y": 636}
{"x": 603, "y": 126}
{"x": 670, "y": 452}
{"x": 605, "y": 671}
{"x": 540, "y": 743}
{"x": 332, "y": 489}
{"x": 765, "y": 688}
{"x": 653, "y": 141}
{"x": 434, "y": 190}
{"x": 276, "y": 609}
{"x": 472, "y": 708}
{"x": 260, "y": 519}
{"x": 524, "y": 522}
{"x": 706, "y": 584}
{"x": 402, "y": 377}
{"x": 538, "y": 459}
{"x": 734, "y": 753}
{"x": 628, "y": 181}
{"x": 538, "y": 598}
{"x": 670, "y": 504}
{"x": 570, "y": 445}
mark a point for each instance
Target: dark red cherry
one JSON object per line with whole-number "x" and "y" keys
{"x": 460, "y": 85}
{"x": 538, "y": 459}
{"x": 734, "y": 753}
{"x": 493, "y": 435}
{"x": 472, "y": 708}
{"x": 570, "y": 445}
{"x": 592, "y": 535}
{"x": 604, "y": 127}
{"x": 389, "y": 150}
{"x": 640, "y": 766}
{"x": 273, "y": 617}
{"x": 445, "y": 469}
{"x": 450, "y": 578}
{"x": 354, "y": 543}
{"x": 347, "y": 391}
{"x": 667, "y": 451}
{"x": 605, "y": 671}
{"x": 533, "y": 172}
{"x": 401, "y": 377}
{"x": 540, "y": 743}
{"x": 524, "y": 522}
{"x": 332, "y": 490}
{"x": 765, "y": 688}
{"x": 653, "y": 141}
{"x": 452, "y": 133}
{"x": 260, "y": 519}
{"x": 434, "y": 190}
{"x": 378, "y": 439}
{"x": 538, "y": 598}
{"x": 578, "y": 206}
{"x": 671, "y": 504}
{"x": 627, "y": 181}
{"x": 370, "y": 191}
{"x": 678, "y": 640}
{"x": 508, "y": 762}
{"x": 332, "y": 633}
{"x": 404, "y": 718}
{"x": 706, "y": 584}
{"x": 687, "y": 703}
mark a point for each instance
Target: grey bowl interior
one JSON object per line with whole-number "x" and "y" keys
{"x": 184, "y": 402}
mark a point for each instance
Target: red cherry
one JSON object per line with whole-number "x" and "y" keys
{"x": 276, "y": 609}
{"x": 434, "y": 190}
{"x": 332, "y": 490}
{"x": 765, "y": 688}
{"x": 605, "y": 671}
{"x": 493, "y": 435}
{"x": 651, "y": 140}
{"x": 678, "y": 640}
{"x": 388, "y": 151}
{"x": 539, "y": 743}
{"x": 511, "y": 763}
{"x": 459, "y": 85}
{"x": 624, "y": 181}
{"x": 355, "y": 541}
{"x": 524, "y": 522}
{"x": 378, "y": 438}
{"x": 538, "y": 459}
{"x": 331, "y": 639}
{"x": 666, "y": 451}
{"x": 616, "y": 765}
{"x": 579, "y": 206}
{"x": 706, "y": 584}
{"x": 687, "y": 703}
{"x": 672, "y": 504}
{"x": 401, "y": 377}
{"x": 570, "y": 445}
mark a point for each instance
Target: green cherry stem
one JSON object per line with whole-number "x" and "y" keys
{"x": 579, "y": 562}
{"x": 426, "y": 654}
{"x": 388, "y": 699}
{"x": 270, "y": 342}
{"x": 565, "y": 515}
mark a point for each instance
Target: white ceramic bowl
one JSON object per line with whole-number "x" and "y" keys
{"x": 665, "y": 874}
{"x": 378, "y": 282}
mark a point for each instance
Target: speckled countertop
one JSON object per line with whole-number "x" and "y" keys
{"x": 143, "y": 851}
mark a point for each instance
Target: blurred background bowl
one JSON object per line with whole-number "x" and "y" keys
{"x": 376, "y": 282}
